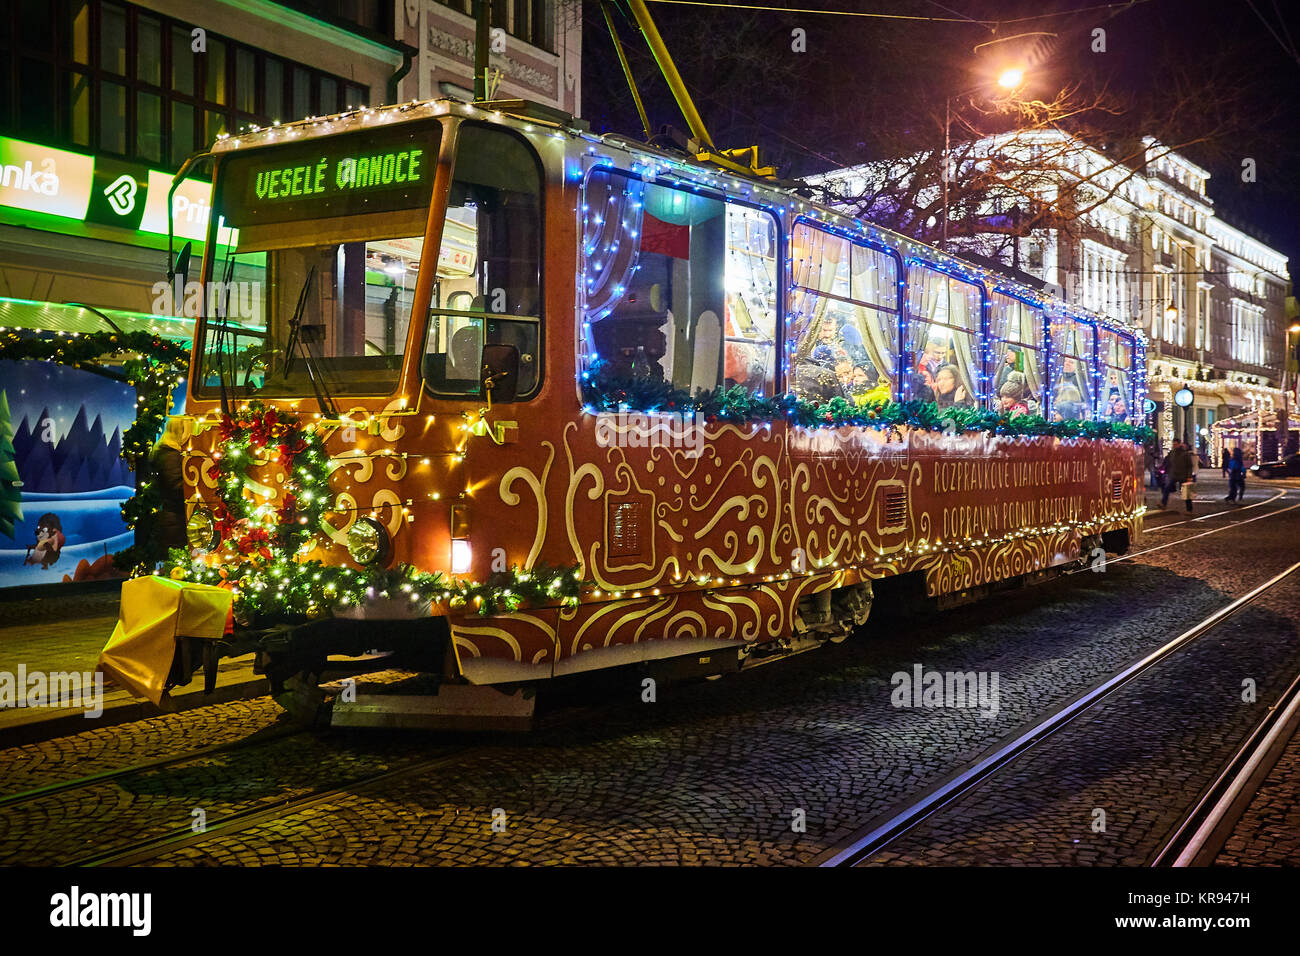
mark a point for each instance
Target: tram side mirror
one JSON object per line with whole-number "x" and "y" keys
{"x": 181, "y": 267}
{"x": 500, "y": 372}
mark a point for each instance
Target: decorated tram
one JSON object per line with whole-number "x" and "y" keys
{"x": 512, "y": 401}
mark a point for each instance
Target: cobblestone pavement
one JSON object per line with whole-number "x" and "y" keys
{"x": 65, "y": 633}
{"x": 1268, "y": 833}
{"x": 1107, "y": 788}
{"x": 63, "y": 827}
{"x": 111, "y": 748}
{"x": 777, "y": 764}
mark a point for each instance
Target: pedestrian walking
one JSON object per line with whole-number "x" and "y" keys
{"x": 1149, "y": 465}
{"x": 1178, "y": 471}
{"x": 1227, "y": 462}
{"x": 1188, "y": 487}
{"x": 1236, "y": 477}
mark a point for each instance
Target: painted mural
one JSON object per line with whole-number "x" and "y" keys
{"x": 65, "y": 480}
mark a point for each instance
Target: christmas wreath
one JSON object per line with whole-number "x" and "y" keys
{"x": 256, "y": 436}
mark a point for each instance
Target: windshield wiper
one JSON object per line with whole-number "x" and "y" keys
{"x": 296, "y": 322}
{"x": 223, "y": 332}
{"x": 298, "y": 340}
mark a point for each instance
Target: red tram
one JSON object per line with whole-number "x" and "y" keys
{"x": 521, "y": 401}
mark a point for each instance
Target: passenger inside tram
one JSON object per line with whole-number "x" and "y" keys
{"x": 949, "y": 392}
{"x": 1068, "y": 403}
{"x": 838, "y": 366}
{"x": 933, "y": 357}
{"x": 1013, "y": 395}
{"x": 1116, "y": 408}
{"x": 1012, "y": 360}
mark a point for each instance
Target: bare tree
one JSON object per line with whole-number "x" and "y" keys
{"x": 879, "y": 95}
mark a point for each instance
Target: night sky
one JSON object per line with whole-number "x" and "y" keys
{"x": 1211, "y": 74}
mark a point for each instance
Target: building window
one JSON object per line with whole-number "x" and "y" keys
{"x": 532, "y": 21}
{"x": 108, "y": 77}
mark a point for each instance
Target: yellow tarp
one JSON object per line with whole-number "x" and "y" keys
{"x": 154, "y": 612}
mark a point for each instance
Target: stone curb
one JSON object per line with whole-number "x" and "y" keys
{"x": 64, "y": 724}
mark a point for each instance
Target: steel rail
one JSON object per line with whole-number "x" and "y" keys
{"x": 104, "y": 776}
{"x": 250, "y": 817}
{"x": 859, "y": 848}
{"x": 1200, "y": 835}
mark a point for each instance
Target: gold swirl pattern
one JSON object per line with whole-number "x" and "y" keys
{"x": 713, "y": 533}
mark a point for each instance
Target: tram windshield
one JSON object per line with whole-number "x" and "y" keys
{"x": 315, "y": 290}
{"x": 488, "y": 285}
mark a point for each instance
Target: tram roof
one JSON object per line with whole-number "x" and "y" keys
{"x": 536, "y": 118}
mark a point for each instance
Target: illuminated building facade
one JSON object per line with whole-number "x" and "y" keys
{"x": 1140, "y": 240}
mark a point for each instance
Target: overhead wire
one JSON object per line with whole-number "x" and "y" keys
{"x": 902, "y": 16}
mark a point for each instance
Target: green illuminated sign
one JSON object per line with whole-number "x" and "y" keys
{"x": 44, "y": 179}
{"x": 351, "y": 174}
{"x": 56, "y": 182}
{"x": 338, "y": 175}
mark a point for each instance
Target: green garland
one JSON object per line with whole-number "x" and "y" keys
{"x": 269, "y": 583}
{"x": 153, "y": 374}
{"x": 602, "y": 391}
{"x": 282, "y": 590}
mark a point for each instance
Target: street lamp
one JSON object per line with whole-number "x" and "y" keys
{"x": 1010, "y": 79}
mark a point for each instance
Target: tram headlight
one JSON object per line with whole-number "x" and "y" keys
{"x": 368, "y": 541}
{"x": 462, "y": 556}
{"x": 201, "y": 530}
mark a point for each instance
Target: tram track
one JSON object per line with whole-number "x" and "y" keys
{"x": 248, "y": 818}
{"x": 160, "y": 763}
{"x": 240, "y": 820}
{"x": 876, "y": 837}
{"x": 1200, "y": 835}
{"x": 1213, "y": 514}
{"x": 1192, "y": 537}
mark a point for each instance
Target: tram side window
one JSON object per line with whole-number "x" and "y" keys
{"x": 1018, "y": 351}
{"x": 1116, "y": 351}
{"x": 488, "y": 287}
{"x": 1072, "y": 350}
{"x": 843, "y": 315}
{"x": 944, "y": 362}
{"x": 677, "y": 287}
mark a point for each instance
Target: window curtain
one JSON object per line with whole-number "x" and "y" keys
{"x": 936, "y": 299}
{"x": 817, "y": 256}
{"x": 1034, "y": 374}
{"x": 611, "y": 230}
{"x": 1019, "y": 326}
{"x": 874, "y": 279}
{"x": 963, "y": 311}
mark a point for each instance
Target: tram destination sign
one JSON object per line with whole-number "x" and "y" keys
{"x": 348, "y": 175}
